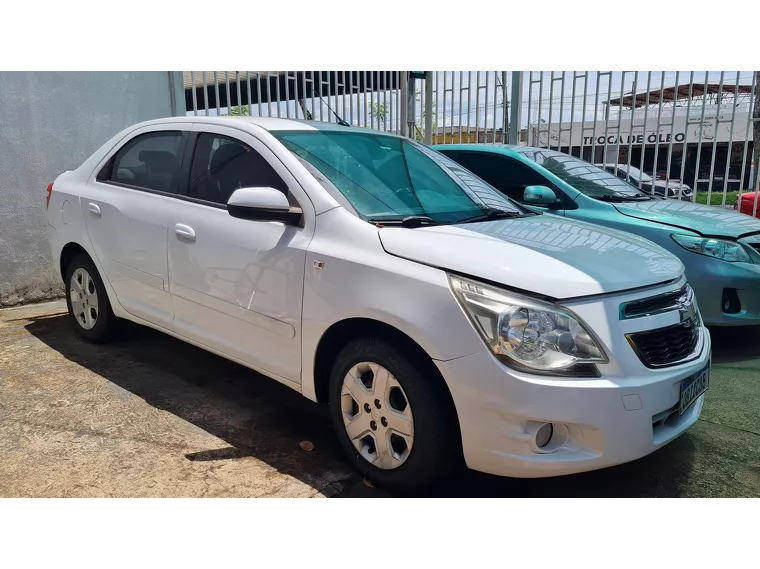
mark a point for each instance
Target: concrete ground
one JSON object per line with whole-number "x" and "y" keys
{"x": 149, "y": 415}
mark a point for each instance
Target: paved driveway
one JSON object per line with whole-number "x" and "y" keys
{"x": 152, "y": 416}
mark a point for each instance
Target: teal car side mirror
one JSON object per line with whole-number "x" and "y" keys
{"x": 539, "y": 195}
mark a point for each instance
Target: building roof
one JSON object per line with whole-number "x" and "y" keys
{"x": 675, "y": 93}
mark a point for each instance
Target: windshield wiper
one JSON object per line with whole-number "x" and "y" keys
{"x": 410, "y": 221}
{"x": 491, "y": 214}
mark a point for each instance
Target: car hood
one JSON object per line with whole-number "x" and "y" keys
{"x": 705, "y": 220}
{"x": 544, "y": 255}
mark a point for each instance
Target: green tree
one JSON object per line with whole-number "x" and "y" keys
{"x": 379, "y": 111}
{"x": 239, "y": 111}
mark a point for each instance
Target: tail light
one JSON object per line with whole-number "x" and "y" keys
{"x": 49, "y": 193}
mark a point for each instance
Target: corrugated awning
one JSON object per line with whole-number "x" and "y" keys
{"x": 670, "y": 94}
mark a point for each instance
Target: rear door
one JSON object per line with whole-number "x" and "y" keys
{"x": 126, "y": 206}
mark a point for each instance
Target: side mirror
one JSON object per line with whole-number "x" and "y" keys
{"x": 539, "y": 195}
{"x": 262, "y": 204}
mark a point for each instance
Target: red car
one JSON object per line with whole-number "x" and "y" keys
{"x": 748, "y": 203}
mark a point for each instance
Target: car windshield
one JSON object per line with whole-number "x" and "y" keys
{"x": 584, "y": 176}
{"x": 390, "y": 178}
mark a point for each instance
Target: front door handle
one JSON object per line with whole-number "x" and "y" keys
{"x": 184, "y": 231}
{"x": 94, "y": 209}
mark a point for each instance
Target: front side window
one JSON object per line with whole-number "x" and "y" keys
{"x": 222, "y": 165}
{"x": 587, "y": 178}
{"x": 502, "y": 172}
{"x": 386, "y": 177}
{"x": 149, "y": 161}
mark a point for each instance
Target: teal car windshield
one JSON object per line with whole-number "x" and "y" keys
{"x": 637, "y": 174}
{"x": 390, "y": 178}
{"x": 583, "y": 176}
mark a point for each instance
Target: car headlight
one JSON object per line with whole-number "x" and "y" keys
{"x": 719, "y": 248}
{"x": 528, "y": 334}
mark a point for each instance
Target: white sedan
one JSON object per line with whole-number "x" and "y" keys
{"x": 440, "y": 321}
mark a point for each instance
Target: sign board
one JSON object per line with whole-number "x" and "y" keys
{"x": 710, "y": 129}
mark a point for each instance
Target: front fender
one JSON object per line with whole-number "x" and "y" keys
{"x": 361, "y": 280}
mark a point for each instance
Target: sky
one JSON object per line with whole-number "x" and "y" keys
{"x": 479, "y": 95}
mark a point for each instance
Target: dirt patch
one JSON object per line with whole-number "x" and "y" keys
{"x": 149, "y": 415}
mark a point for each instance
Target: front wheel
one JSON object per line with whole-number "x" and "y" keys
{"x": 391, "y": 417}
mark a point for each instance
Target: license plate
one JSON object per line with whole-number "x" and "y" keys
{"x": 692, "y": 388}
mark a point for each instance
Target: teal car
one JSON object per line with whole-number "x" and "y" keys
{"x": 719, "y": 248}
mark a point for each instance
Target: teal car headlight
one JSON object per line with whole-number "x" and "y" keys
{"x": 719, "y": 248}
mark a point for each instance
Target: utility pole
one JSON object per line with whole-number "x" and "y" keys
{"x": 516, "y": 106}
{"x": 404, "y": 110}
{"x": 504, "y": 108}
{"x": 429, "y": 107}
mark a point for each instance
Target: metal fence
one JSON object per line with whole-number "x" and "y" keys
{"x": 667, "y": 132}
{"x": 360, "y": 98}
{"x": 686, "y": 129}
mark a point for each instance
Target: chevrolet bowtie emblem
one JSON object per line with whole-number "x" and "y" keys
{"x": 686, "y": 309}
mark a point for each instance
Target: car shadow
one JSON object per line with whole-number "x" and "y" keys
{"x": 254, "y": 415}
{"x": 259, "y": 417}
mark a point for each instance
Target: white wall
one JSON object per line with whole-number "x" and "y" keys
{"x": 49, "y": 123}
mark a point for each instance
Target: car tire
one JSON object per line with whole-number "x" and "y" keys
{"x": 368, "y": 406}
{"x": 86, "y": 298}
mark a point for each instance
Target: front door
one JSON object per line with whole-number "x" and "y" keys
{"x": 504, "y": 173}
{"x": 237, "y": 285}
{"x": 125, "y": 207}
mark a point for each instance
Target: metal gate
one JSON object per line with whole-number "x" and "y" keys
{"x": 681, "y": 130}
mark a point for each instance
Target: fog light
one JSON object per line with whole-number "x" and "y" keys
{"x": 544, "y": 435}
{"x": 730, "y": 301}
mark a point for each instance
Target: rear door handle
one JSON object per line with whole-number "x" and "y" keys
{"x": 184, "y": 231}
{"x": 94, "y": 209}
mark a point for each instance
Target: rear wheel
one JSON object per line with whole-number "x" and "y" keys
{"x": 87, "y": 301}
{"x": 391, "y": 417}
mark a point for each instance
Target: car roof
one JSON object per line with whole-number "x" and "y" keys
{"x": 266, "y": 123}
{"x": 487, "y": 147}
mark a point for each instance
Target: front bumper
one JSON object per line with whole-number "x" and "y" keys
{"x": 714, "y": 281}
{"x": 604, "y": 421}
{"x": 627, "y": 413}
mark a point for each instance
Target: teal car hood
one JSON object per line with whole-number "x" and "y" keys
{"x": 705, "y": 220}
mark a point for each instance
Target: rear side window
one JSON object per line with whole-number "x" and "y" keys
{"x": 222, "y": 165}
{"x": 149, "y": 161}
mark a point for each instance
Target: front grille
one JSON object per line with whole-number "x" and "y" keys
{"x": 655, "y": 304}
{"x": 667, "y": 346}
